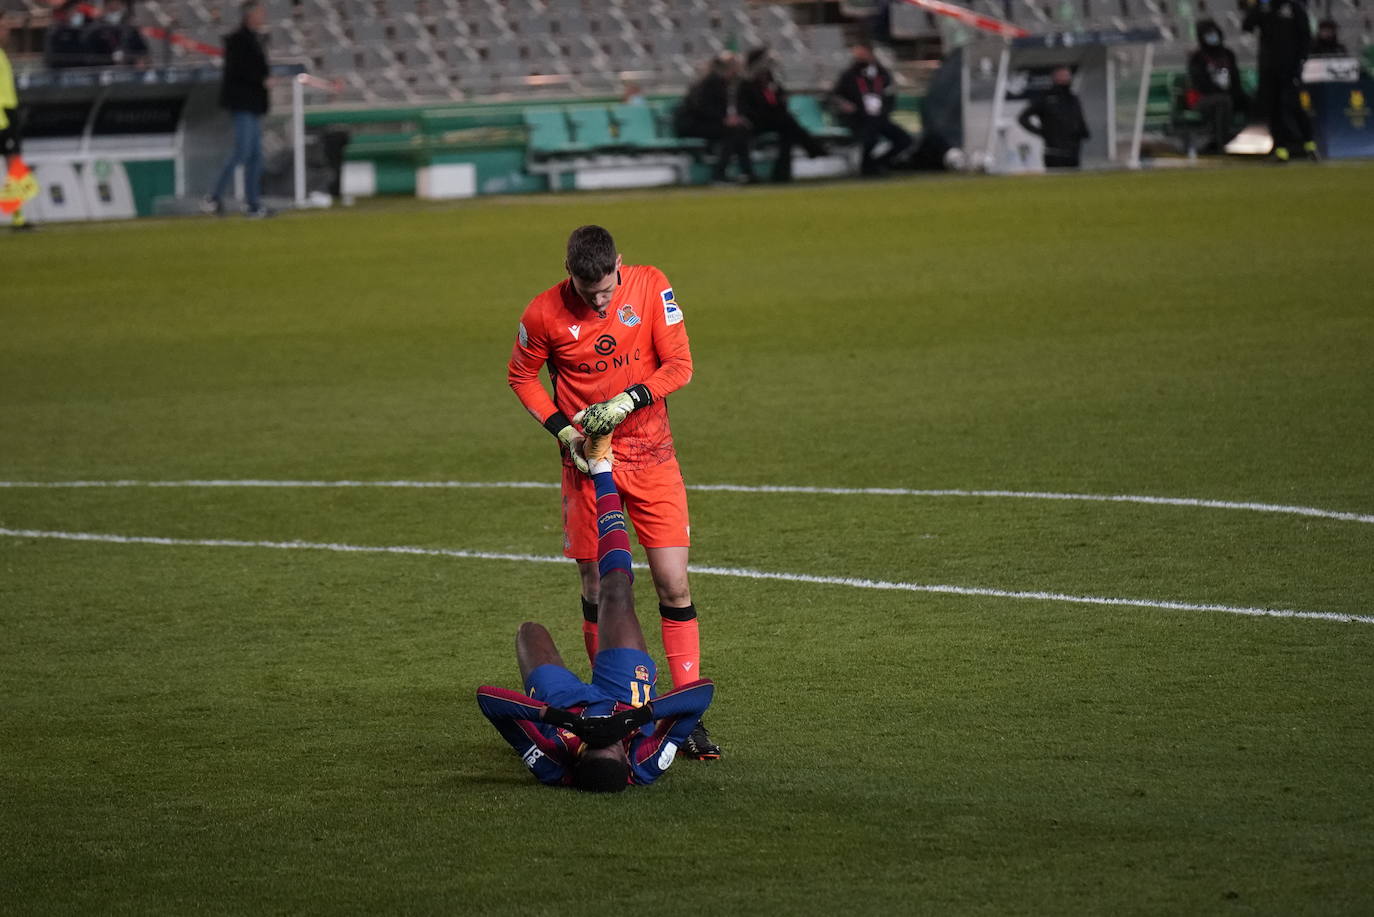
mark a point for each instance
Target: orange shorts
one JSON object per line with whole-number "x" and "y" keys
{"x": 655, "y": 501}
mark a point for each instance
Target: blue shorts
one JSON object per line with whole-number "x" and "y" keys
{"x": 621, "y": 675}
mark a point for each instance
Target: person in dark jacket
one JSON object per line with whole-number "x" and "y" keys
{"x": 711, "y": 111}
{"x": 1215, "y": 78}
{"x": 1284, "y": 37}
{"x": 1056, "y": 117}
{"x": 764, "y": 103}
{"x": 865, "y": 95}
{"x": 65, "y": 45}
{"x": 1327, "y": 44}
{"x": 243, "y": 91}
{"x": 113, "y": 40}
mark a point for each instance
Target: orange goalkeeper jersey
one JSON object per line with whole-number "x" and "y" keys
{"x": 593, "y": 356}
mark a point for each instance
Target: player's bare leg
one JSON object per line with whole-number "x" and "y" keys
{"x": 534, "y": 647}
{"x": 617, "y": 622}
{"x": 591, "y": 595}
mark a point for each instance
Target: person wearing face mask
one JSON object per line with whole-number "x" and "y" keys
{"x": 65, "y": 45}
{"x": 1057, "y": 118}
{"x": 865, "y": 96}
{"x": 1284, "y": 39}
{"x": 114, "y": 40}
{"x": 1215, "y": 86}
{"x": 1327, "y": 43}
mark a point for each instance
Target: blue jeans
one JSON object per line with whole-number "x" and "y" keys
{"x": 247, "y": 152}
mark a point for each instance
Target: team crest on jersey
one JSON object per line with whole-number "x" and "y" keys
{"x": 523, "y": 335}
{"x": 672, "y": 313}
{"x": 628, "y": 318}
{"x": 642, "y": 672}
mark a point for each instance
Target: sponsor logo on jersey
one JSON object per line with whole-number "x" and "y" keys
{"x": 600, "y": 366}
{"x": 666, "y": 758}
{"x": 605, "y": 344}
{"x": 532, "y": 756}
{"x": 576, "y": 330}
{"x": 672, "y": 312}
{"x": 523, "y": 335}
{"x": 628, "y": 318}
{"x": 642, "y": 672}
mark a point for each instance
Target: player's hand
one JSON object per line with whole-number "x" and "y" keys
{"x": 604, "y": 416}
{"x": 563, "y": 719}
{"x": 604, "y": 731}
{"x": 573, "y": 440}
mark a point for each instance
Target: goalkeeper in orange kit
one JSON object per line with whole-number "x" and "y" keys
{"x": 615, "y": 344}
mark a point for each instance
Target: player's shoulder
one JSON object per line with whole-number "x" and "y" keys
{"x": 645, "y": 274}
{"x": 546, "y": 306}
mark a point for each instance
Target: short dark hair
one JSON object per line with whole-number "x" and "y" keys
{"x": 601, "y": 773}
{"x": 591, "y": 253}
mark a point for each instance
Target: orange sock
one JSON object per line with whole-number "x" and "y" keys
{"x": 589, "y": 638}
{"x": 681, "y": 643}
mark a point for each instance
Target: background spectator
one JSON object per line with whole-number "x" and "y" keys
{"x": 1057, "y": 118}
{"x": 114, "y": 40}
{"x": 764, "y": 102}
{"x": 66, "y": 41}
{"x": 1327, "y": 42}
{"x": 865, "y": 95}
{"x": 1284, "y": 36}
{"x": 712, "y": 112}
{"x": 243, "y": 92}
{"x": 1214, "y": 78}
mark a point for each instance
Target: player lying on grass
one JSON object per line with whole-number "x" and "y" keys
{"x": 615, "y": 731}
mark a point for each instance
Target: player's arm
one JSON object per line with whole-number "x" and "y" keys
{"x": 516, "y": 716}
{"x": 528, "y": 355}
{"x": 670, "y": 343}
{"x": 677, "y": 714}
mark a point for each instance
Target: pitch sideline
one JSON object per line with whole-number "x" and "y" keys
{"x": 738, "y": 572}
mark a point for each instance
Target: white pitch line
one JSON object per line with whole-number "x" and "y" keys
{"x": 1310, "y": 511}
{"x": 738, "y": 572}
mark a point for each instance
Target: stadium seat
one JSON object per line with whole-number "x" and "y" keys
{"x": 592, "y": 127}
{"x": 548, "y": 134}
{"x": 638, "y": 129}
{"x": 807, "y": 110}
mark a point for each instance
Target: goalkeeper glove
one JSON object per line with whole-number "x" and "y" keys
{"x": 559, "y": 425}
{"x": 603, "y": 417}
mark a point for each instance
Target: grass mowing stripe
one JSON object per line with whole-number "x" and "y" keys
{"x": 1198, "y": 502}
{"x": 738, "y": 572}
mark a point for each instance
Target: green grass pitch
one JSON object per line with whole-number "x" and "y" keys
{"x": 241, "y": 730}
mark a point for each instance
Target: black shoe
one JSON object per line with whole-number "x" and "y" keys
{"x": 23, "y": 227}
{"x": 699, "y": 745}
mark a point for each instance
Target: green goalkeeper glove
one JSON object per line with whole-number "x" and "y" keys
{"x": 603, "y": 417}
{"x": 572, "y": 441}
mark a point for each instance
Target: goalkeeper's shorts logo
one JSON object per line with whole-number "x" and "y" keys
{"x": 628, "y": 318}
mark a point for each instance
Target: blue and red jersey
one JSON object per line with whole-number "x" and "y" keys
{"x": 549, "y": 752}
